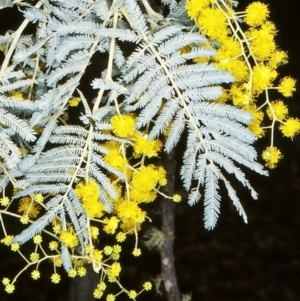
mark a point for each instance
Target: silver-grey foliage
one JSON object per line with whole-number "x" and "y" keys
{"x": 157, "y": 80}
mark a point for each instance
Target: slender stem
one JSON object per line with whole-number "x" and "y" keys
{"x": 168, "y": 228}
{"x": 12, "y": 47}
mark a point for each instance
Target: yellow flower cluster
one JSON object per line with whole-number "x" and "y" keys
{"x": 290, "y": 127}
{"x": 16, "y": 95}
{"x": 130, "y": 215}
{"x": 98, "y": 293}
{"x": 89, "y": 194}
{"x": 9, "y": 287}
{"x": 4, "y": 201}
{"x": 271, "y": 155}
{"x": 143, "y": 146}
{"x": 144, "y": 182}
{"x": 69, "y": 238}
{"x": 256, "y": 14}
{"x": 253, "y": 57}
{"x": 127, "y": 154}
{"x": 74, "y": 101}
{"x": 114, "y": 158}
{"x": 28, "y": 207}
{"x": 114, "y": 270}
{"x": 111, "y": 225}
{"x": 123, "y": 126}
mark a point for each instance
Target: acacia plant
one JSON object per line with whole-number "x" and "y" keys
{"x": 198, "y": 72}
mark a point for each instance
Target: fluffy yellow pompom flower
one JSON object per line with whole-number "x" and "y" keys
{"x": 98, "y": 293}
{"x": 240, "y": 96}
{"x": 132, "y": 294}
{"x": 28, "y": 207}
{"x": 55, "y": 278}
{"x": 24, "y": 219}
{"x": 130, "y": 212}
{"x": 136, "y": 252}
{"x": 193, "y": 7}
{"x": 116, "y": 160}
{"x": 143, "y": 146}
{"x": 255, "y": 126}
{"x": 34, "y": 256}
{"x": 88, "y": 190}
{"x": 114, "y": 270}
{"x": 290, "y": 127}
{"x": 278, "y": 58}
{"x": 89, "y": 194}
{"x": 94, "y": 232}
{"x": 5, "y": 281}
{"x": 147, "y": 177}
{"x": 7, "y": 240}
{"x": 15, "y": 246}
{"x": 108, "y": 250}
{"x": 144, "y": 182}
{"x": 81, "y": 271}
{"x": 97, "y": 255}
{"x": 37, "y": 239}
{"x": 17, "y": 95}
{"x": 287, "y": 86}
{"x": 256, "y": 13}
{"x": 230, "y": 48}
{"x": 4, "y": 201}
{"x": 147, "y": 286}
{"x": 73, "y": 102}
{"x": 72, "y": 273}
{"x": 101, "y": 286}
{"x": 69, "y": 239}
{"x": 120, "y": 237}
{"x": 237, "y": 67}
{"x": 213, "y": 23}
{"x": 53, "y": 245}
{"x": 271, "y": 155}
{"x": 35, "y": 274}
{"x": 262, "y": 42}
{"x": 263, "y": 77}
{"x": 111, "y": 225}
{"x": 9, "y": 288}
{"x": 110, "y": 297}
{"x": 57, "y": 261}
{"x": 117, "y": 249}
{"x": 176, "y": 198}
{"x": 38, "y": 198}
{"x": 277, "y": 110}
{"x": 123, "y": 125}
{"x": 56, "y": 228}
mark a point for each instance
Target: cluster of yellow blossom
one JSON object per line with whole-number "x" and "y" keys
{"x": 143, "y": 146}
{"x": 140, "y": 184}
{"x": 89, "y": 194}
{"x": 144, "y": 182}
{"x": 123, "y": 126}
{"x": 74, "y": 101}
{"x": 28, "y": 207}
{"x": 9, "y": 287}
{"x": 16, "y": 95}
{"x": 126, "y": 154}
{"x": 68, "y": 238}
{"x": 108, "y": 271}
{"x": 248, "y": 50}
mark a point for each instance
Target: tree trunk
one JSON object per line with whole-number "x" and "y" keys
{"x": 168, "y": 228}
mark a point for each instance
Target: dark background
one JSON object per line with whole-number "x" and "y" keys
{"x": 258, "y": 261}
